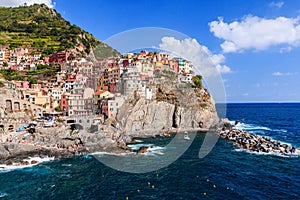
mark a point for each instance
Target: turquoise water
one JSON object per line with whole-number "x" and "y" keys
{"x": 226, "y": 173}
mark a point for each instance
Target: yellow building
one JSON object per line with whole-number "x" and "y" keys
{"x": 42, "y": 100}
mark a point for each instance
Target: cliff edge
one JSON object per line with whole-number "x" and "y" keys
{"x": 179, "y": 107}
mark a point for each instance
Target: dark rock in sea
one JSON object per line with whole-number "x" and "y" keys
{"x": 9, "y": 163}
{"x": 25, "y": 163}
{"x": 142, "y": 149}
{"x": 254, "y": 142}
{"x": 34, "y": 162}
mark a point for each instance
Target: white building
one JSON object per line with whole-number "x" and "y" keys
{"x": 114, "y": 105}
{"x": 185, "y": 78}
{"x": 149, "y": 93}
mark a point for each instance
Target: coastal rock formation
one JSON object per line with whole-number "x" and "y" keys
{"x": 172, "y": 108}
{"x": 61, "y": 142}
{"x": 188, "y": 109}
{"x": 256, "y": 143}
{"x": 147, "y": 116}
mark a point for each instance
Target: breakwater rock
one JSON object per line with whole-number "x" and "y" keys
{"x": 256, "y": 143}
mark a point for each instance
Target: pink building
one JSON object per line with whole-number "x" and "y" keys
{"x": 174, "y": 67}
{"x": 46, "y": 60}
{"x": 22, "y": 84}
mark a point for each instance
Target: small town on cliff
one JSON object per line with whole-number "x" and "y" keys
{"x": 64, "y": 85}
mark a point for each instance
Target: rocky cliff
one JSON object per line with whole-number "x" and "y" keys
{"x": 172, "y": 108}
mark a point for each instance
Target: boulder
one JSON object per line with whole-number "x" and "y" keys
{"x": 142, "y": 149}
{"x": 4, "y": 153}
{"x": 34, "y": 162}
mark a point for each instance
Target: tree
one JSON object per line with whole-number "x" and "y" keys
{"x": 32, "y": 80}
{"x": 41, "y": 67}
{"x": 197, "y": 81}
{"x": 58, "y": 109}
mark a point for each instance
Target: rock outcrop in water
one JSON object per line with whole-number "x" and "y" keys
{"x": 255, "y": 143}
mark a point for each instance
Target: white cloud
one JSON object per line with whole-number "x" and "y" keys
{"x": 246, "y": 94}
{"x": 204, "y": 61}
{"x": 285, "y": 49}
{"x": 257, "y": 33}
{"x": 284, "y": 74}
{"x": 16, "y": 3}
{"x": 277, "y": 4}
{"x": 277, "y": 74}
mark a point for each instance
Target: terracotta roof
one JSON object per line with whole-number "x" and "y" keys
{"x": 99, "y": 92}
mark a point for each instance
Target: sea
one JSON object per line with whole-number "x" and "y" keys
{"x": 227, "y": 172}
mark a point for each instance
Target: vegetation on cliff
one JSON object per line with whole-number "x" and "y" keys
{"x": 43, "y": 30}
{"x": 32, "y": 75}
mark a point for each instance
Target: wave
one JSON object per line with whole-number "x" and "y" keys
{"x": 294, "y": 155}
{"x": 138, "y": 146}
{"x": 254, "y": 127}
{"x": 251, "y": 127}
{"x": 101, "y": 153}
{"x": 281, "y": 130}
{"x": 155, "y": 150}
{"x": 138, "y": 141}
{"x": 3, "y": 194}
{"x": 66, "y": 165}
{"x": 152, "y": 150}
{"x": 14, "y": 166}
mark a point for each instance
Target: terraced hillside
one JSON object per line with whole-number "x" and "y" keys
{"x": 43, "y": 30}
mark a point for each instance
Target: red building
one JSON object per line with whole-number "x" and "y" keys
{"x": 59, "y": 57}
{"x": 64, "y": 104}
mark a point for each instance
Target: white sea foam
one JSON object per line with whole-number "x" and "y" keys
{"x": 3, "y": 194}
{"x": 66, "y": 165}
{"x": 253, "y": 127}
{"x": 138, "y": 141}
{"x": 14, "y": 166}
{"x": 155, "y": 150}
{"x": 138, "y": 146}
{"x": 296, "y": 154}
{"x": 101, "y": 153}
{"x": 281, "y": 130}
{"x": 152, "y": 150}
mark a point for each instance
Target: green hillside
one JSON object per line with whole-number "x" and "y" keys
{"x": 43, "y": 30}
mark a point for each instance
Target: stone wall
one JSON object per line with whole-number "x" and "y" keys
{"x": 11, "y": 104}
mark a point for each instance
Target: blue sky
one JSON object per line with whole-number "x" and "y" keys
{"x": 256, "y": 42}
